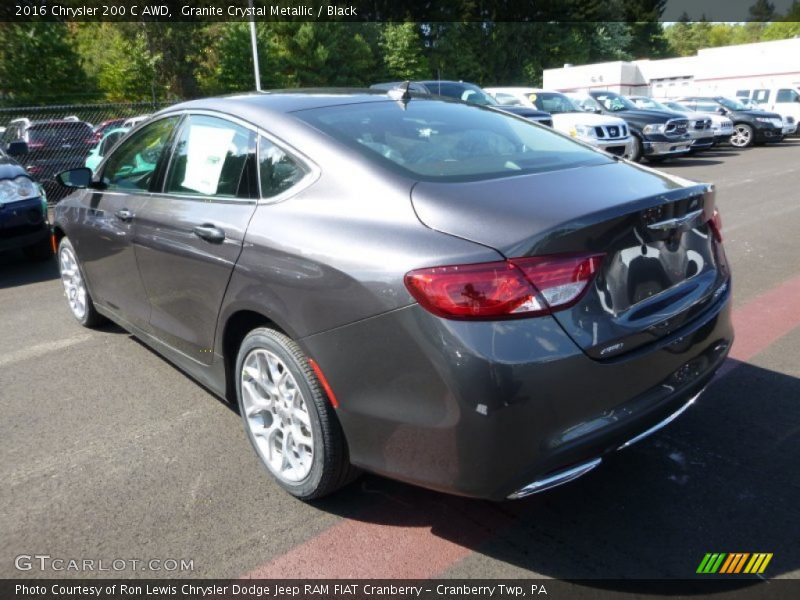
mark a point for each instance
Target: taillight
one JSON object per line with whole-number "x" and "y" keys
{"x": 715, "y": 223}
{"x": 515, "y": 288}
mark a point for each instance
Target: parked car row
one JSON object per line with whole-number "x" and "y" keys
{"x": 48, "y": 146}
{"x": 659, "y": 129}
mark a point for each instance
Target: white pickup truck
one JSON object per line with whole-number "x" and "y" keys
{"x": 782, "y": 100}
{"x": 609, "y": 133}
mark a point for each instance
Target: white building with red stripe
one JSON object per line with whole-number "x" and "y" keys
{"x": 712, "y": 71}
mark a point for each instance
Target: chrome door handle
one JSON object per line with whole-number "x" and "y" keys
{"x": 124, "y": 215}
{"x": 210, "y": 233}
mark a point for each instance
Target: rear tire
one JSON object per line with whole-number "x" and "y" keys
{"x": 288, "y": 418}
{"x": 78, "y": 298}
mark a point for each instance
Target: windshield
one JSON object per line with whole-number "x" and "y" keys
{"x": 613, "y": 102}
{"x": 731, "y": 104}
{"x": 56, "y": 132}
{"x": 461, "y": 91}
{"x": 444, "y": 141}
{"x": 650, "y": 104}
{"x": 553, "y": 103}
{"x": 676, "y": 107}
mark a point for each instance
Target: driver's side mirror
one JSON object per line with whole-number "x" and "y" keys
{"x": 79, "y": 178}
{"x": 17, "y": 148}
{"x": 722, "y": 111}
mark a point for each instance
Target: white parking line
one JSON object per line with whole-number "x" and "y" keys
{"x": 42, "y": 349}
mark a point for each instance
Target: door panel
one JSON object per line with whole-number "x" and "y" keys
{"x": 104, "y": 239}
{"x": 189, "y": 238}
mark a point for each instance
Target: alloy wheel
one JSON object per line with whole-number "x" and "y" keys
{"x": 741, "y": 136}
{"x": 74, "y": 287}
{"x": 276, "y": 414}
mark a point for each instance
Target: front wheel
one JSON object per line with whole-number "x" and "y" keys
{"x": 288, "y": 418}
{"x": 638, "y": 150}
{"x": 78, "y": 297}
{"x": 742, "y": 136}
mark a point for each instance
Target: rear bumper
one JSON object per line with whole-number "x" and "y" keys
{"x": 484, "y": 409}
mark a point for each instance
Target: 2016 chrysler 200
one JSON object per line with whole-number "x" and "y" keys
{"x": 442, "y": 293}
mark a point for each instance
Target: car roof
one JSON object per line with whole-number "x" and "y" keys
{"x": 284, "y": 101}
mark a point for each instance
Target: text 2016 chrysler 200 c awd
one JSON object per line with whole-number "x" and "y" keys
{"x": 438, "y": 292}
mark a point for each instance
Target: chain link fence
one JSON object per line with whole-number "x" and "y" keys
{"x": 49, "y": 139}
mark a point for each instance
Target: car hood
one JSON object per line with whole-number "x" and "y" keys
{"x": 9, "y": 168}
{"x": 644, "y": 115}
{"x": 585, "y": 118}
{"x": 759, "y": 113}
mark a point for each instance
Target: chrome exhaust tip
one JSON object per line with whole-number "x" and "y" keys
{"x": 556, "y": 479}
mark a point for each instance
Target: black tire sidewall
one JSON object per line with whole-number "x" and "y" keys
{"x": 638, "y": 151}
{"x": 291, "y": 356}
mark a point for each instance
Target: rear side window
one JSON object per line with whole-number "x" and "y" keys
{"x": 445, "y": 141}
{"x": 50, "y": 133}
{"x": 132, "y": 165}
{"x": 761, "y": 96}
{"x": 211, "y": 158}
{"x": 278, "y": 170}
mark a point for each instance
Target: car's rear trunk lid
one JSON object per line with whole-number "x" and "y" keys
{"x": 662, "y": 266}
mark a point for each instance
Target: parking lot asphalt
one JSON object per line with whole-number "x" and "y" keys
{"x": 109, "y": 452}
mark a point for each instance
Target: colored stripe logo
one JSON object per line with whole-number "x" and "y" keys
{"x": 735, "y": 562}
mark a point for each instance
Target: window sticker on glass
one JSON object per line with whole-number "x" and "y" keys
{"x": 207, "y": 148}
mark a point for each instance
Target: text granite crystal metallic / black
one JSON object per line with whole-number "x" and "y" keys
{"x": 435, "y": 291}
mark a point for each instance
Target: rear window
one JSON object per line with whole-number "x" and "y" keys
{"x": 447, "y": 141}
{"x": 47, "y": 132}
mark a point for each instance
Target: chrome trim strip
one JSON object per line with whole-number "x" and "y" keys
{"x": 678, "y": 222}
{"x": 660, "y": 425}
{"x": 556, "y": 479}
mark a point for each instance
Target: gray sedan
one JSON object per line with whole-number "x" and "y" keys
{"x": 438, "y": 292}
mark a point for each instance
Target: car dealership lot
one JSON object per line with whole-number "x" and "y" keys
{"x": 111, "y": 453}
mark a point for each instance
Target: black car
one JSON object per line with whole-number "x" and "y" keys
{"x": 467, "y": 92}
{"x": 750, "y": 126}
{"x": 53, "y": 146}
{"x": 658, "y": 134}
{"x": 23, "y": 209}
{"x": 427, "y": 289}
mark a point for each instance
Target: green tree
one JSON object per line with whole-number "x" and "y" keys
{"x": 118, "y": 57}
{"x": 762, "y": 10}
{"x": 402, "y": 50}
{"x": 679, "y": 36}
{"x": 40, "y": 65}
{"x": 321, "y": 54}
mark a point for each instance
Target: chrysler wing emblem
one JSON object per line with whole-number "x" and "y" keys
{"x": 684, "y": 223}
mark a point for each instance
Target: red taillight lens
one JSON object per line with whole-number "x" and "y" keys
{"x": 715, "y": 222}
{"x": 520, "y": 287}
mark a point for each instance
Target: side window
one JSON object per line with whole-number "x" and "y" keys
{"x": 707, "y": 107}
{"x": 787, "y": 95}
{"x": 212, "y": 157}
{"x": 278, "y": 170}
{"x": 133, "y": 164}
{"x": 760, "y": 96}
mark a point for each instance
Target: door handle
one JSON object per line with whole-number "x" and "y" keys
{"x": 210, "y": 233}
{"x": 124, "y": 215}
